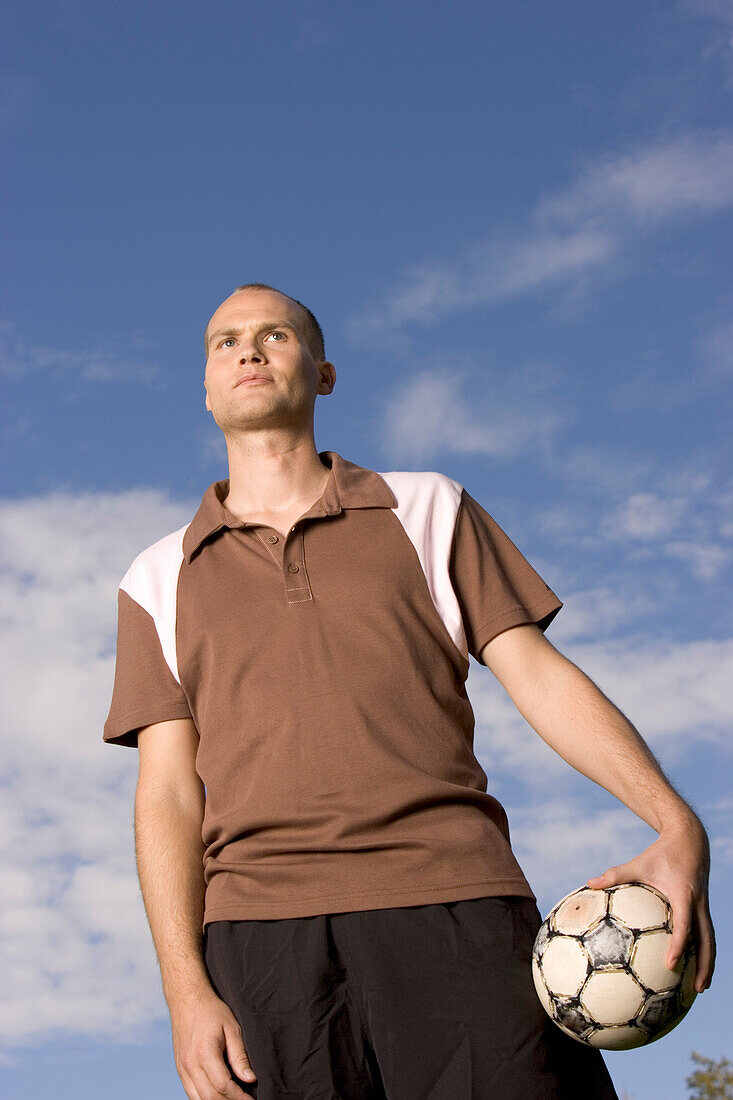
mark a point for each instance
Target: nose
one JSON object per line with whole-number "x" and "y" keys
{"x": 255, "y": 356}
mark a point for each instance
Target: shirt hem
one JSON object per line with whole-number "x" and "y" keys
{"x": 317, "y": 904}
{"x": 515, "y": 616}
{"x": 126, "y": 725}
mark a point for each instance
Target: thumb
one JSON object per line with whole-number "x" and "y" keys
{"x": 612, "y": 877}
{"x": 237, "y": 1055}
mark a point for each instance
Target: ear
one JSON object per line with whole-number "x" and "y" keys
{"x": 328, "y": 376}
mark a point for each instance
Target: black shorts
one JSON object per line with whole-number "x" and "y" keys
{"x": 424, "y": 1002}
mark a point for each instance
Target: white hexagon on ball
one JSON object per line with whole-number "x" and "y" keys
{"x": 612, "y": 996}
{"x": 647, "y": 961}
{"x": 564, "y": 965}
{"x": 579, "y": 911}
{"x": 639, "y": 907}
{"x": 541, "y": 988}
{"x": 616, "y": 1038}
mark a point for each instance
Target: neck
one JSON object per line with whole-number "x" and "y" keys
{"x": 273, "y": 475}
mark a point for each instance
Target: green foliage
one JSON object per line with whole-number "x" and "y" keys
{"x": 712, "y": 1080}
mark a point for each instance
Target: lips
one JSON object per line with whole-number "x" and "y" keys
{"x": 252, "y": 378}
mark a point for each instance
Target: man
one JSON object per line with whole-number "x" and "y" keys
{"x": 291, "y": 666}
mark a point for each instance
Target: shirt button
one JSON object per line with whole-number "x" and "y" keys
{"x": 272, "y": 538}
{"x": 293, "y": 568}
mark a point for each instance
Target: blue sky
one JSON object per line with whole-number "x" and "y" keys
{"x": 511, "y": 222}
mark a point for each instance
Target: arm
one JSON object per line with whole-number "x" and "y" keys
{"x": 575, "y": 718}
{"x": 169, "y": 806}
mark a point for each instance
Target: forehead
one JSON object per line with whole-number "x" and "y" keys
{"x": 255, "y": 306}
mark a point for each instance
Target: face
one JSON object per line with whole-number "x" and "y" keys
{"x": 261, "y": 332}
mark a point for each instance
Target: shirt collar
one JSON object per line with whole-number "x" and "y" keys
{"x": 348, "y": 486}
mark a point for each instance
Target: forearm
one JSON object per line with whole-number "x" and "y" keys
{"x": 581, "y": 724}
{"x": 169, "y": 852}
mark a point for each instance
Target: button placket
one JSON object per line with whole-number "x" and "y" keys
{"x": 297, "y": 585}
{"x": 270, "y": 541}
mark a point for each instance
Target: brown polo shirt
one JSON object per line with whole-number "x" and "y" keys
{"x": 325, "y": 673}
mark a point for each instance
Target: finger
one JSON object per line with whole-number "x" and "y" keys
{"x": 705, "y": 938}
{"x": 237, "y": 1055}
{"x": 188, "y": 1086}
{"x": 219, "y": 1081}
{"x": 611, "y": 877}
{"x": 681, "y": 928}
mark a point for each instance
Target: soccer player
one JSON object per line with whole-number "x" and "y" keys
{"x": 332, "y": 893}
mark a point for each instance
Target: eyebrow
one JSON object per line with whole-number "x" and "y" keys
{"x": 237, "y": 331}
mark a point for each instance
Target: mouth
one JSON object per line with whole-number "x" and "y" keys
{"x": 252, "y": 378}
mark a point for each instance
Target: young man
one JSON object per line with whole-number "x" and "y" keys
{"x": 332, "y": 893}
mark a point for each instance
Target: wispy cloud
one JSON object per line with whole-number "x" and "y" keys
{"x": 19, "y": 358}
{"x": 487, "y": 271}
{"x": 576, "y": 233}
{"x": 720, "y": 12}
{"x": 647, "y": 512}
{"x": 687, "y": 174}
{"x": 717, "y": 349}
{"x": 645, "y": 508}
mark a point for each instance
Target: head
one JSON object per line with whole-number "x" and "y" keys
{"x": 311, "y": 328}
{"x": 259, "y": 329}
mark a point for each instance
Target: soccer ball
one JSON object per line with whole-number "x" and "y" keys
{"x": 598, "y": 967}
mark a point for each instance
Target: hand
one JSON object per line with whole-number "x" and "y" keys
{"x": 678, "y": 864}
{"x": 204, "y": 1028}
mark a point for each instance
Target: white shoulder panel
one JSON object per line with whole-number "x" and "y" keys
{"x": 152, "y": 581}
{"x": 427, "y": 508}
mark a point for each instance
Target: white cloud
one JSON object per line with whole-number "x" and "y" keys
{"x": 704, "y": 562}
{"x": 687, "y": 173}
{"x": 486, "y": 272}
{"x": 720, "y": 817}
{"x": 76, "y": 953}
{"x": 562, "y": 842}
{"x": 75, "y": 949}
{"x": 448, "y": 406}
{"x": 443, "y": 405}
{"x": 675, "y": 694}
{"x": 685, "y": 518}
{"x": 564, "y": 828}
{"x": 578, "y": 232}
{"x": 645, "y": 516}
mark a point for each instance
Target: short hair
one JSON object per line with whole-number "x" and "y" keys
{"x": 313, "y": 331}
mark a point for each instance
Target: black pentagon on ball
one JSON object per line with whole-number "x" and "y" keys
{"x": 543, "y": 937}
{"x": 570, "y": 1014}
{"x": 660, "y": 1010}
{"x": 609, "y": 944}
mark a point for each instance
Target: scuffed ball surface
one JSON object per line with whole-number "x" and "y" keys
{"x": 598, "y": 967}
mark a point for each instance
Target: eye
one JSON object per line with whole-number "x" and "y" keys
{"x": 226, "y": 341}
{"x": 276, "y": 332}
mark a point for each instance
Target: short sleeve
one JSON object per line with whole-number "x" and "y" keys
{"x": 145, "y": 690}
{"x": 496, "y": 586}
